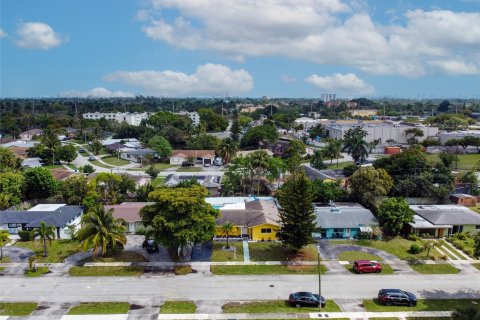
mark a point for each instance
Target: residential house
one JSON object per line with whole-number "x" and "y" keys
{"x": 130, "y": 213}
{"x": 29, "y": 134}
{"x": 343, "y": 220}
{"x": 211, "y": 182}
{"x": 278, "y": 148}
{"x": 32, "y": 163}
{"x": 114, "y": 147}
{"x": 443, "y": 220}
{"x": 255, "y": 218}
{"x": 127, "y": 142}
{"x": 464, "y": 199}
{"x": 326, "y": 175}
{"x": 20, "y": 152}
{"x": 199, "y": 156}
{"x": 244, "y": 153}
{"x": 136, "y": 155}
{"x": 58, "y": 215}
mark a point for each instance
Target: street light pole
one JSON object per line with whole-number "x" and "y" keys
{"x": 319, "y": 279}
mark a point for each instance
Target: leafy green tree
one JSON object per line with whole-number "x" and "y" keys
{"x": 74, "y": 189}
{"x": 429, "y": 142}
{"x": 180, "y": 216}
{"x": 39, "y": 183}
{"x": 161, "y": 146}
{"x": 276, "y": 168}
{"x": 45, "y": 233}
{"x": 213, "y": 121}
{"x": 317, "y": 131}
{"x": 203, "y": 141}
{"x": 333, "y": 150}
{"x": 258, "y": 135}
{"x": 259, "y": 163}
{"x": 88, "y": 168}
{"x": 51, "y": 143}
{"x": 143, "y": 191}
{"x": 393, "y": 214}
{"x": 107, "y": 187}
{"x": 297, "y": 216}
{"x": 101, "y": 230}
{"x": 227, "y": 229}
{"x": 235, "y": 129}
{"x": 355, "y": 145}
{"x": 412, "y": 134}
{"x": 317, "y": 160}
{"x": 152, "y": 171}
{"x": 469, "y": 177}
{"x": 476, "y": 246}
{"x": 294, "y": 153}
{"x": 467, "y": 313}
{"x": 324, "y": 192}
{"x": 227, "y": 149}
{"x": 4, "y": 238}
{"x": 244, "y": 120}
{"x": 9, "y": 161}
{"x": 368, "y": 183}
{"x": 67, "y": 153}
{"x": 11, "y": 189}
{"x": 238, "y": 176}
{"x": 96, "y": 146}
{"x": 446, "y": 158}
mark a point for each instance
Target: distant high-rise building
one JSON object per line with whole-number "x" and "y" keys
{"x": 328, "y": 97}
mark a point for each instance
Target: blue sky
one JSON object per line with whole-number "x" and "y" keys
{"x": 282, "y": 48}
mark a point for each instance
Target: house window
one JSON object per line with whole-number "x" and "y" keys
{"x": 266, "y": 230}
{"x": 338, "y": 230}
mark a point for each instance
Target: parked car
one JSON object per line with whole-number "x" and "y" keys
{"x": 91, "y": 158}
{"x": 81, "y": 150}
{"x": 187, "y": 164}
{"x": 366, "y": 266}
{"x": 218, "y": 161}
{"x": 390, "y": 297}
{"x": 150, "y": 245}
{"x": 206, "y": 164}
{"x": 306, "y": 299}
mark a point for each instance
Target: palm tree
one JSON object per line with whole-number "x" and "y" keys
{"x": 356, "y": 147}
{"x": 227, "y": 228}
{"x": 101, "y": 229}
{"x": 3, "y": 240}
{"x": 51, "y": 142}
{"x": 333, "y": 150}
{"x": 228, "y": 148}
{"x": 260, "y": 164}
{"x": 317, "y": 160}
{"x": 45, "y": 233}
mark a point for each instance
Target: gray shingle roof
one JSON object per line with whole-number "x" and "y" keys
{"x": 32, "y": 219}
{"x": 344, "y": 216}
{"x": 256, "y": 212}
{"x": 447, "y": 214}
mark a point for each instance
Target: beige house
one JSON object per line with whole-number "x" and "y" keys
{"x": 199, "y": 156}
{"x": 130, "y": 213}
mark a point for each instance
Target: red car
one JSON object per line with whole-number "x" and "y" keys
{"x": 366, "y": 266}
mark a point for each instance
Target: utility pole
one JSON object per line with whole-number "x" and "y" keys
{"x": 319, "y": 279}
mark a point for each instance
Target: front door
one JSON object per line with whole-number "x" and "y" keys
{"x": 441, "y": 233}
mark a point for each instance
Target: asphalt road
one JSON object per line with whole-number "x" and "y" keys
{"x": 151, "y": 289}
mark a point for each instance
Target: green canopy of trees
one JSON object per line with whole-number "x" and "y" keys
{"x": 260, "y": 134}
{"x": 39, "y": 183}
{"x": 393, "y": 214}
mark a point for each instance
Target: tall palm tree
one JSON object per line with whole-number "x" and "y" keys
{"x": 227, "y": 228}
{"x": 333, "y": 150}
{"x": 356, "y": 147}
{"x": 101, "y": 230}
{"x": 228, "y": 148}
{"x": 260, "y": 164}
{"x": 45, "y": 233}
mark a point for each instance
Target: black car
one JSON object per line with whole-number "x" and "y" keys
{"x": 391, "y": 297}
{"x": 187, "y": 164}
{"x": 305, "y": 299}
{"x": 150, "y": 245}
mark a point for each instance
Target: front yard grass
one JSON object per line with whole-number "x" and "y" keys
{"x": 40, "y": 272}
{"x": 100, "y": 308}
{"x": 99, "y": 164}
{"x": 274, "y": 306}
{"x": 57, "y": 252}
{"x": 399, "y": 247}
{"x": 476, "y": 265}
{"x": 221, "y": 255}
{"x": 341, "y": 165}
{"x": 17, "y": 308}
{"x": 189, "y": 169}
{"x": 424, "y": 305}
{"x": 265, "y": 269}
{"x": 454, "y": 255}
{"x": 115, "y": 161}
{"x": 465, "y": 245}
{"x": 1, "y": 269}
{"x": 276, "y": 251}
{"x": 125, "y": 256}
{"x": 171, "y": 307}
{"x": 106, "y": 271}
{"x": 386, "y": 269}
{"x": 443, "y": 268}
{"x": 357, "y": 255}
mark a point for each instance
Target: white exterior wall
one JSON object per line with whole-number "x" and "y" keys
{"x": 75, "y": 222}
{"x": 177, "y": 160}
{"x": 194, "y": 116}
{"x": 133, "y": 119}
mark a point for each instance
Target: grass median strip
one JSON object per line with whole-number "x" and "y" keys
{"x": 424, "y": 305}
{"x": 38, "y": 273}
{"x": 100, "y": 308}
{"x": 17, "y": 308}
{"x": 106, "y": 271}
{"x": 178, "y": 307}
{"x": 274, "y": 306}
{"x": 443, "y": 268}
{"x": 265, "y": 269}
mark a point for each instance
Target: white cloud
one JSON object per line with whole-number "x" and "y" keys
{"x": 98, "y": 92}
{"x": 287, "y": 78}
{"x": 347, "y": 83}
{"x": 208, "y": 79}
{"x": 38, "y": 35}
{"x": 332, "y": 32}
{"x": 2, "y": 33}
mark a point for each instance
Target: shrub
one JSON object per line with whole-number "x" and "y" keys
{"x": 468, "y": 251}
{"x": 413, "y": 237}
{"x": 88, "y": 169}
{"x": 415, "y": 249}
{"x": 25, "y": 235}
{"x": 182, "y": 270}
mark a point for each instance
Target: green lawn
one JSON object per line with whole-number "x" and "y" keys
{"x": 465, "y": 161}
{"x": 157, "y": 182}
{"x": 105, "y": 271}
{"x": 17, "y": 308}
{"x": 163, "y": 166}
{"x": 126, "y": 256}
{"x": 274, "y": 306}
{"x": 100, "y": 308}
{"x": 399, "y": 247}
{"x": 170, "y": 307}
{"x": 434, "y": 268}
{"x": 99, "y": 164}
{"x": 40, "y": 272}
{"x": 455, "y": 255}
{"x": 341, "y": 165}
{"x": 221, "y": 255}
{"x": 276, "y": 251}
{"x": 386, "y": 269}
{"x": 189, "y": 169}
{"x": 115, "y": 161}
{"x": 465, "y": 245}
{"x": 53, "y": 166}
{"x": 72, "y": 166}
{"x": 357, "y": 255}
{"x": 476, "y": 265}
{"x": 5, "y": 259}
{"x": 2, "y": 268}
{"x": 423, "y": 305}
{"x": 265, "y": 269}
{"x": 57, "y": 252}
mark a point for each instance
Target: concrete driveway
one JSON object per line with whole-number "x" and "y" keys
{"x": 134, "y": 244}
{"x": 17, "y": 254}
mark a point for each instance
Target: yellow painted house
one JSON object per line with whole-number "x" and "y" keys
{"x": 258, "y": 220}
